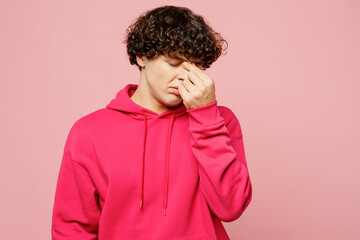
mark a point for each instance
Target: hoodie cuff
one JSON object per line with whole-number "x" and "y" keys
{"x": 205, "y": 115}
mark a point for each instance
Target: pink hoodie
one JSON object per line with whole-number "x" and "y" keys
{"x": 130, "y": 173}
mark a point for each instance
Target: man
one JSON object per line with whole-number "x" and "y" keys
{"x": 162, "y": 160}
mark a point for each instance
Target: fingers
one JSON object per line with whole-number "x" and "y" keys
{"x": 185, "y": 95}
{"x": 189, "y": 85}
{"x": 198, "y": 71}
{"x": 194, "y": 79}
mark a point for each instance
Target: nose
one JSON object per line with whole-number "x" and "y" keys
{"x": 182, "y": 74}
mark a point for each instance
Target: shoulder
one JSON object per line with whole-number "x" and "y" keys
{"x": 90, "y": 120}
{"x": 82, "y": 129}
{"x": 227, "y": 113}
{"x": 231, "y": 120}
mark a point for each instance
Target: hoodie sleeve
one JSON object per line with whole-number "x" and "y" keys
{"x": 76, "y": 211}
{"x": 217, "y": 143}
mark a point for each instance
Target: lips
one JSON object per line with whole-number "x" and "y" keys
{"x": 176, "y": 91}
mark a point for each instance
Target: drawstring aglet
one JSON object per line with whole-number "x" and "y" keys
{"x": 164, "y": 211}
{"x": 141, "y": 203}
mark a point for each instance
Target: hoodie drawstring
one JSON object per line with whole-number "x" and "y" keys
{"x": 166, "y": 184}
{"x": 143, "y": 164}
{"x": 166, "y": 181}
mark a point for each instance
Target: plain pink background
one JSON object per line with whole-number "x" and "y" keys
{"x": 291, "y": 75}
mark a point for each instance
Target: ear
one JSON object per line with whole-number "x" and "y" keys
{"x": 140, "y": 60}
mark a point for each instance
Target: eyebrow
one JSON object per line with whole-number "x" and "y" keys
{"x": 182, "y": 59}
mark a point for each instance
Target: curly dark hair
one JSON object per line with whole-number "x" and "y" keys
{"x": 174, "y": 31}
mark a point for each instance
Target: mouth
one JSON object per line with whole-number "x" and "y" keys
{"x": 176, "y": 91}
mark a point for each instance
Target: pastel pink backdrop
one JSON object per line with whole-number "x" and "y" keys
{"x": 291, "y": 75}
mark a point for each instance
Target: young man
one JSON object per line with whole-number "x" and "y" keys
{"x": 162, "y": 160}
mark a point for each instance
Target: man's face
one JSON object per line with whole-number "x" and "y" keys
{"x": 161, "y": 77}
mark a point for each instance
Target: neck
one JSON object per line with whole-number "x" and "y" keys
{"x": 143, "y": 98}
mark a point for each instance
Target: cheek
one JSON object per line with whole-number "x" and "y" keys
{"x": 162, "y": 74}
{"x": 166, "y": 74}
{"x": 154, "y": 74}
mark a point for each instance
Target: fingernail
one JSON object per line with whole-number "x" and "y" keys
{"x": 185, "y": 63}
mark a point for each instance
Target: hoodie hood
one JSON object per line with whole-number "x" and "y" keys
{"x": 123, "y": 103}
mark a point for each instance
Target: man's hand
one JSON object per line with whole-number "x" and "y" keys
{"x": 197, "y": 89}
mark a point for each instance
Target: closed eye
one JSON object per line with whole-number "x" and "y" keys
{"x": 174, "y": 65}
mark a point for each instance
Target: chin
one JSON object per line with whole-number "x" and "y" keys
{"x": 173, "y": 103}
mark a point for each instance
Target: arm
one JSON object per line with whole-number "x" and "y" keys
{"x": 75, "y": 211}
{"x": 218, "y": 145}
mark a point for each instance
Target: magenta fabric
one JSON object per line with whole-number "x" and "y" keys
{"x": 130, "y": 173}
